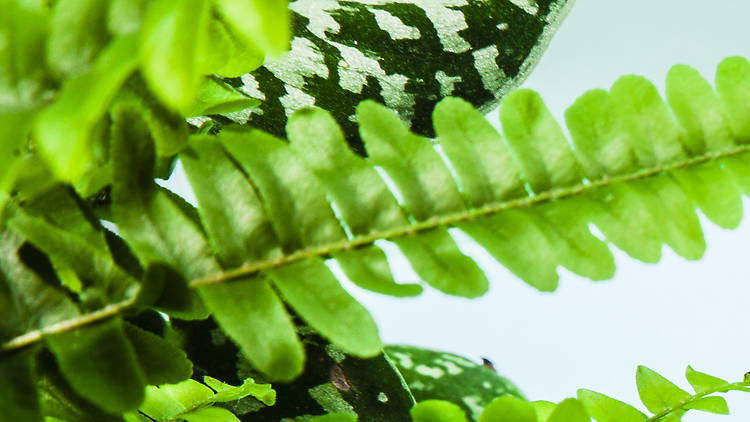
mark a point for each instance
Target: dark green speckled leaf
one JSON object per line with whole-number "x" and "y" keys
{"x": 445, "y": 376}
{"x": 343, "y": 52}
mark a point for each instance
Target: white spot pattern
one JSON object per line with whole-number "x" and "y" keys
{"x": 492, "y": 76}
{"x": 528, "y": 6}
{"x": 447, "y": 82}
{"x": 395, "y": 28}
{"x": 356, "y": 67}
{"x": 316, "y": 11}
{"x": 302, "y": 61}
{"x": 295, "y": 99}
{"x": 429, "y": 371}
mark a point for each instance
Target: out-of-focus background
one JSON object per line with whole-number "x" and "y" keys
{"x": 593, "y": 335}
{"x": 664, "y": 316}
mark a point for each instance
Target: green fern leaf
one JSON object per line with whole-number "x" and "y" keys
{"x": 19, "y": 398}
{"x": 100, "y": 364}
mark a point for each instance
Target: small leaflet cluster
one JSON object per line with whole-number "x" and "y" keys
{"x": 664, "y": 401}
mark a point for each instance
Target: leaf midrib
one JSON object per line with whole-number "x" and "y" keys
{"x": 364, "y": 240}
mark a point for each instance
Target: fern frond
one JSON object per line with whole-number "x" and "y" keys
{"x": 270, "y": 212}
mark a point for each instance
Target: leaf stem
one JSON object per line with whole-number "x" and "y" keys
{"x": 681, "y": 405}
{"x": 359, "y": 241}
{"x": 453, "y": 219}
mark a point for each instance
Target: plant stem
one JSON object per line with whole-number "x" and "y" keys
{"x": 359, "y": 241}
{"x": 681, "y": 405}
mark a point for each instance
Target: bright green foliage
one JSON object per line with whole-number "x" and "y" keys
{"x": 173, "y": 35}
{"x": 702, "y": 382}
{"x": 569, "y": 410}
{"x": 100, "y": 365}
{"x": 68, "y": 148}
{"x": 318, "y": 298}
{"x": 253, "y": 315}
{"x": 162, "y": 362}
{"x": 661, "y": 397}
{"x": 656, "y": 392}
{"x": 269, "y": 212}
{"x": 64, "y": 64}
{"x": 509, "y": 409}
{"x": 260, "y": 23}
{"x": 192, "y": 401}
{"x": 605, "y": 409}
{"x": 437, "y": 411}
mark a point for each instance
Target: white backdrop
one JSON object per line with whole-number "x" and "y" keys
{"x": 592, "y": 335}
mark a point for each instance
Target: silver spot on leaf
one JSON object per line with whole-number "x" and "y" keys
{"x": 492, "y": 76}
{"x": 353, "y": 77}
{"x": 303, "y": 60}
{"x": 295, "y": 99}
{"x": 316, "y": 11}
{"x": 448, "y": 21}
{"x": 395, "y": 28}
{"x": 528, "y": 6}
{"x": 447, "y": 82}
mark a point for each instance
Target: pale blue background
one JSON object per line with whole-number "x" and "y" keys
{"x": 664, "y": 316}
{"x": 593, "y": 335}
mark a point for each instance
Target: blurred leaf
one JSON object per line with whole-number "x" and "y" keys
{"x": 15, "y": 125}
{"x": 656, "y": 392}
{"x": 78, "y": 31}
{"x": 437, "y": 411}
{"x": 161, "y": 361}
{"x": 606, "y": 409}
{"x": 569, "y": 410}
{"x": 23, "y": 28}
{"x": 217, "y": 97}
{"x": 173, "y": 35}
{"x": 168, "y": 128}
{"x": 509, "y": 409}
{"x": 125, "y": 16}
{"x": 83, "y": 99}
{"x": 241, "y": 57}
{"x": 262, "y": 23}
{"x": 18, "y": 392}
{"x": 100, "y": 364}
{"x": 543, "y": 409}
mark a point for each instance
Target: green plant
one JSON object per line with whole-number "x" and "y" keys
{"x": 106, "y": 322}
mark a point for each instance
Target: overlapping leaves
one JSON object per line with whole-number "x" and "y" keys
{"x": 665, "y": 402}
{"x": 64, "y": 63}
{"x": 269, "y": 213}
